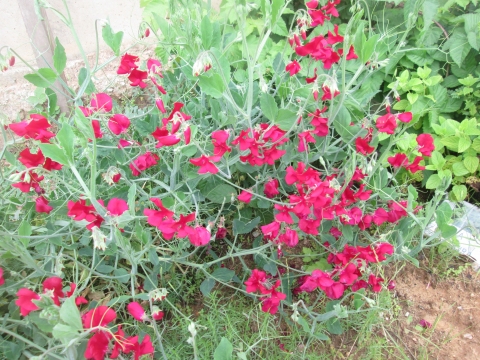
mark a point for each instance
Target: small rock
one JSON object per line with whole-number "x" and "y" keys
{"x": 459, "y": 308}
{"x": 468, "y": 336}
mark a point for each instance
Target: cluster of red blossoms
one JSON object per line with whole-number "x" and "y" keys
{"x": 259, "y": 281}
{"x": 95, "y": 321}
{"x": 154, "y": 72}
{"x": 35, "y": 128}
{"x": 163, "y": 220}
{"x": 79, "y": 210}
{"x": 350, "y": 265}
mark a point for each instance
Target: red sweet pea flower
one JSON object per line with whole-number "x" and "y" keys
{"x": 320, "y": 123}
{"x": 117, "y": 206}
{"x": 425, "y": 141}
{"x": 97, "y": 131}
{"x": 136, "y": 78}
{"x": 375, "y": 283}
{"x": 199, "y": 236}
{"x": 99, "y": 316}
{"x": 2, "y": 280}
{"x": 137, "y": 312}
{"x": 270, "y": 231}
{"x": 357, "y": 285}
{"x": 55, "y": 285}
{"x": 256, "y": 281}
{"x": 145, "y": 348}
{"x": 318, "y": 17}
{"x": 362, "y": 146}
{"x": 118, "y": 124}
{"x": 127, "y": 64}
{"x": 304, "y": 138}
{"x": 122, "y": 143}
{"x": 34, "y": 181}
{"x": 36, "y": 128}
{"x": 290, "y": 237}
{"x": 398, "y": 160}
{"x": 160, "y": 105}
{"x": 309, "y": 226}
{"x": 221, "y": 233}
{"x": 293, "y": 67}
{"x": 181, "y": 226}
{"x": 97, "y": 346}
{"x": 245, "y": 196}
{"x": 41, "y": 205}
{"x": 404, "y": 117}
{"x": 157, "y": 315}
{"x": 24, "y": 301}
{"x": 387, "y": 123}
{"x": 380, "y": 216}
{"x": 270, "y": 304}
{"x": 414, "y": 166}
{"x": 206, "y": 166}
{"x": 219, "y": 141}
{"x": 143, "y": 162}
{"x": 101, "y": 102}
{"x": 271, "y": 188}
{"x": 351, "y": 54}
{"x": 312, "y": 79}
{"x": 334, "y": 38}
{"x": 156, "y": 217}
{"x": 31, "y": 160}
{"x": 312, "y": 4}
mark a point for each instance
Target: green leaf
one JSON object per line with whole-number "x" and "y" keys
{"x": 239, "y": 227}
{"x": 447, "y": 230}
{"x": 25, "y": 229}
{"x": 412, "y": 97}
{"x": 207, "y": 285}
{"x": 472, "y": 30}
{"x": 276, "y": 7}
{"x": 444, "y": 213}
{"x": 269, "y": 106}
{"x": 82, "y": 77}
{"x": 206, "y": 30}
{"x": 70, "y": 315}
{"x": 44, "y": 77}
{"x": 459, "y": 169}
{"x": 429, "y": 11}
{"x": 132, "y": 192}
{"x": 458, "y": 46}
{"x": 66, "y": 139}
{"x": 223, "y": 274}
{"x": 212, "y": 85}
{"x": 224, "y": 350}
{"x": 476, "y": 144}
{"x": 285, "y": 119}
{"x": 451, "y": 142}
{"x": 464, "y": 143}
{"x": 471, "y": 163}
{"x": 437, "y": 160}
{"x": 52, "y": 100}
{"x": 433, "y": 182}
{"x": 368, "y": 47}
{"x": 460, "y": 192}
{"x": 219, "y": 194}
{"x": 64, "y": 333}
{"x": 83, "y": 124}
{"x": 59, "y": 57}
{"x": 113, "y": 40}
{"x": 55, "y": 153}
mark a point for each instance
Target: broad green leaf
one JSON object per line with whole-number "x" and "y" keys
{"x": 444, "y": 213}
{"x": 368, "y": 47}
{"x": 471, "y": 163}
{"x": 44, "y": 77}
{"x": 458, "y": 46}
{"x": 276, "y": 7}
{"x": 70, "y": 315}
{"x": 66, "y": 139}
{"x": 55, "y": 153}
{"x": 269, "y": 106}
{"x": 223, "y": 274}
{"x": 280, "y": 28}
{"x": 412, "y": 97}
{"x": 132, "y": 192}
{"x": 64, "y": 333}
{"x": 25, "y": 229}
{"x": 239, "y": 227}
{"x": 206, "y": 30}
{"x": 162, "y": 24}
{"x": 52, "y": 100}
{"x": 429, "y": 12}
{"x": 464, "y": 143}
{"x": 437, "y": 160}
{"x": 433, "y": 182}
{"x": 82, "y": 78}
{"x": 472, "y": 30}
{"x": 83, "y": 124}
{"x": 221, "y": 193}
{"x": 224, "y": 350}
{"x": 459, "y": 169}
{"x": 476, "y": 144}
{"x": 212, "y": 85}
{"x": 59, "y": 57}
{"x": 207, "y": 285}
{"x": 112, "y": 39}
{"x": 460, "y": 192}
{"x": 285, "y": 119}
{"x": 447, "y": 230}
{"x": 450, "y": 142}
